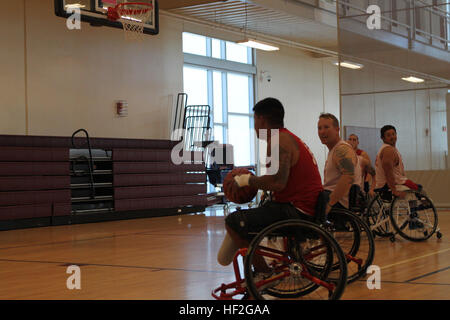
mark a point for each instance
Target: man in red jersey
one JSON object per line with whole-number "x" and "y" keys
{"x": 295, "y": 186}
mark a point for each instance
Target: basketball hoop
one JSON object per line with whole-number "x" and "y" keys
{"x": 133, "y": 16}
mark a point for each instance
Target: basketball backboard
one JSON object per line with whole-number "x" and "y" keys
{"x": 95, "y": 12}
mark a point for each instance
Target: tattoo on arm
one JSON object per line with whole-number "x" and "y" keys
{"x": 285, "y": 164}
{"x": 370, "y": 170}
{"x": 278, "y": 181}
{"x": 344, "y": 161}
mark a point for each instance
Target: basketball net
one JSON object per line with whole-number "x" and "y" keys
{"x": 133, "y": 16}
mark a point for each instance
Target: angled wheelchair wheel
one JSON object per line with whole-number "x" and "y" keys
{"x": 377, "y": 217}
{"x": 355, "y": 239}
{"x": 299, "y": 267}
{"x": 414, "y": 217}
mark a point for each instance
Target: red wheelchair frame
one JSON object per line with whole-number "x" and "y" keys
{"x": 239, "y": 285}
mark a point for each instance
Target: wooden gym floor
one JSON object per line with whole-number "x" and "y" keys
{"x": 174, "y": 258}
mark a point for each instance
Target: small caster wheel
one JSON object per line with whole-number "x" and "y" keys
{"x": 439, "y": 235}
{"x": 392, "y": 238}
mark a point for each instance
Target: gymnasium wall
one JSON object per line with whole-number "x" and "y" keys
{"x": 12, "y": 68}
{"x": 373, "y": 97}
{"x": 306, "y": 86}
{"x": 436, "y": 183}
{"x": 448, "y": 131}
{"x": 55, "y": 81}
{"x": 73, "y": 77}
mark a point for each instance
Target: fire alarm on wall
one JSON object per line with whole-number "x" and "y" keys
{"x": 122, "y": 108}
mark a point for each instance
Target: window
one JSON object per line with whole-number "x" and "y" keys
{"x": 193, "y": 43}
{"x": 216, "y": 48}
{"x": 195, "y": 82}
{"x": 238, "y": 53}
{"x": 221, "y": 74}
{"x": 447, "y": 21}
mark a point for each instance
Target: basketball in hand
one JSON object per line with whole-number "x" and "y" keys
{"x": 233, "y": 192}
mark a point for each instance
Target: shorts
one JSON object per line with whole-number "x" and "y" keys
{"x": 386, "y": 193}
{"x": 246, "y": 223}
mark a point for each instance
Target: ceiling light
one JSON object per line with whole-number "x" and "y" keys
{"x": 350, "y": 65}
{"x": 258, "y": 45}
{"x": 413, "y": 79}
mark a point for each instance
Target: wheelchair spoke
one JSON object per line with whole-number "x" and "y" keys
{"x": 356, "y": 260}
{"x": 299, "y": 266}
{"x": 403, "y": 226}
{"x": 328, "y": 286}
{"x": 414, "y": 217}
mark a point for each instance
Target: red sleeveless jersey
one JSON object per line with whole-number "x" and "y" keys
{"x": 304, "y": 182}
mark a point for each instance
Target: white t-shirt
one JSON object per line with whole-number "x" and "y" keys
{"x": 399, "y": 169}
{"x": 332, "y": 174}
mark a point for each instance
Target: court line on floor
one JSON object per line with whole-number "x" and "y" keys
{"x": 65, "y": 263}
{"x": 428, "y": 274}
{"x": 144, "y": 233}
{"x": 404, "y": 282}
{"x": 413, "y": 259}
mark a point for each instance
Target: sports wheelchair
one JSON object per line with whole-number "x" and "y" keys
{"x": 354, "y": 237}
{"x": 312, "y": 260}
{"x": 413, "y": 217}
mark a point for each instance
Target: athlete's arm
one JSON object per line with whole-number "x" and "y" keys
{"x": 278, "y": 181}
{"x": 344, "y": 159}
{"x": 365, "y": 156}
{"x": 388, "y": 160}
{"x": 371, "y": 170}
{"x": 367, "y": 166}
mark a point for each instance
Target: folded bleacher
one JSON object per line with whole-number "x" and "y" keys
{"x": 46, "y": 180}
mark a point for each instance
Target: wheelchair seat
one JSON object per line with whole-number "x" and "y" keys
{"x": 385, "y": 193}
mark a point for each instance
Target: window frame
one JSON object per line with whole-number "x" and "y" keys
{"x": 224, "y": 66}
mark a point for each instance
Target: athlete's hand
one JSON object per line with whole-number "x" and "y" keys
{"x": 242, "y": 180}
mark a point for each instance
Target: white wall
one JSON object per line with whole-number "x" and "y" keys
{"x": 12, "y": 68}
{"x": 306, "y": 86}
{"x": 448, "y": 129}
{"x": 74, "y": 76}
{"x": 55, "y": 80}
{"x": 418, "y": 115}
